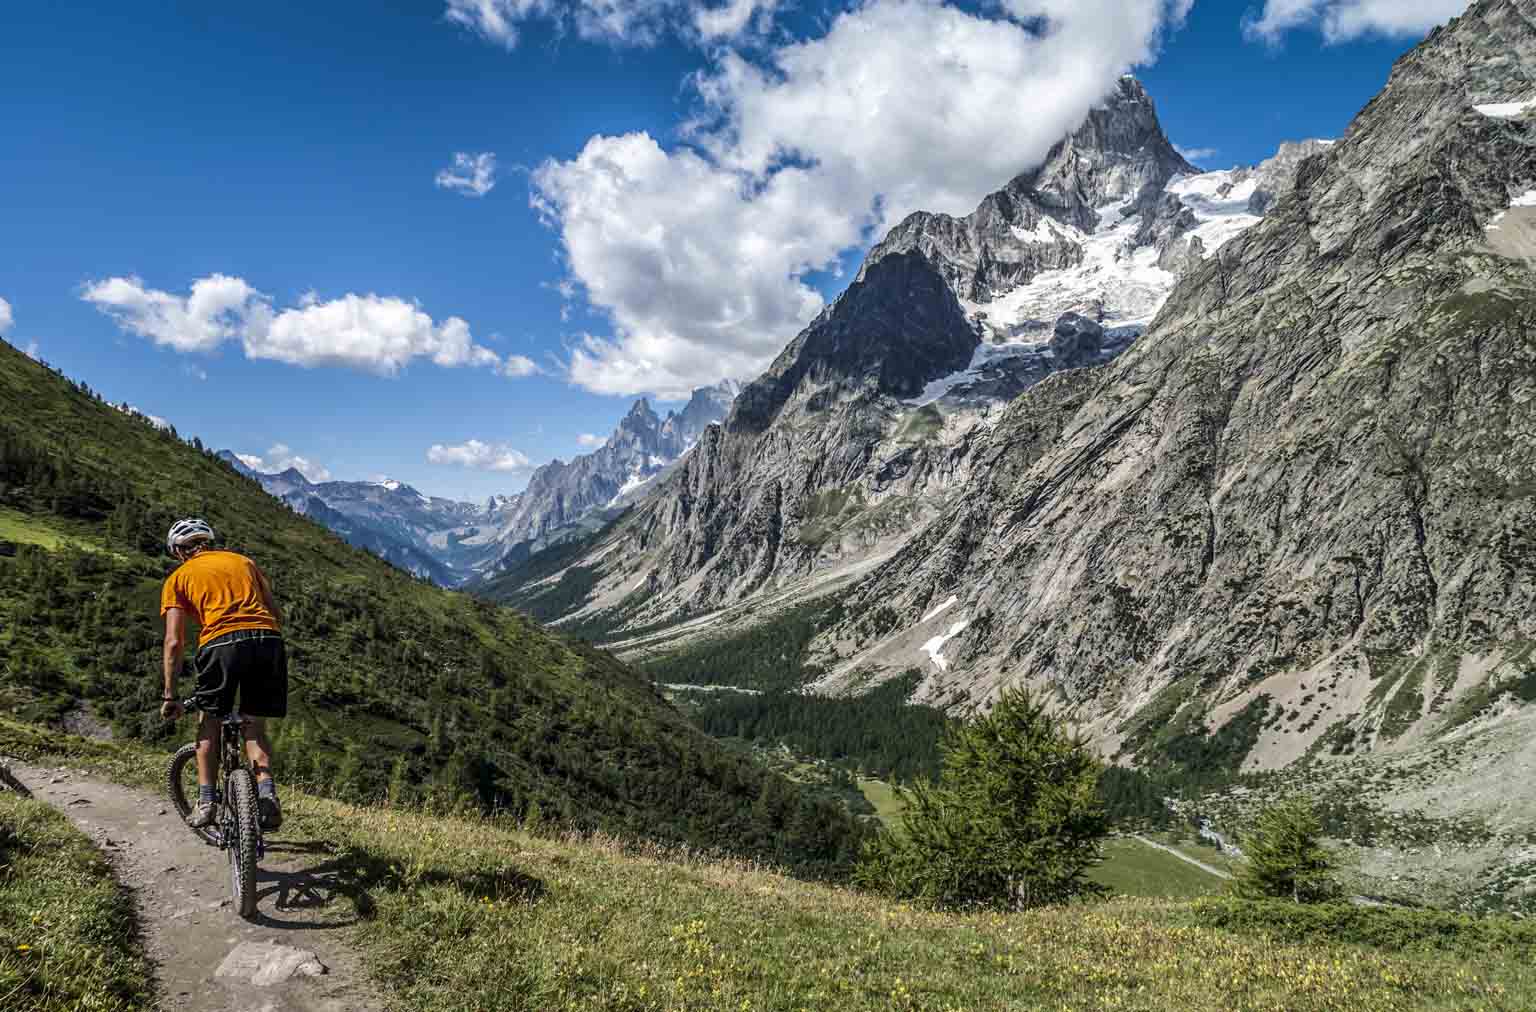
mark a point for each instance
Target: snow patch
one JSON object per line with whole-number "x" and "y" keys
{"x": 934, "y": 648}
{"x": 633, "y": 483}
{"x": 1042, "y": 232}
{"x": 1524, "y": 200}
{"x": 1506, "y": 110}
{"x": 941, "y": 609}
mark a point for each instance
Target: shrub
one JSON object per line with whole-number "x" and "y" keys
{"x": 1286, "y": 857}
{"x": 1015, "y": 819}
{"x": 1390, "y": 928}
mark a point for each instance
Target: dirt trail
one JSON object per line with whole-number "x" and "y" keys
{"x": 181, "y": 886}
{"x": 1185, "y": 857}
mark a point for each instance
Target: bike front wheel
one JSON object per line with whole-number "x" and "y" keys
{"x": 240, "y": 797}
{"x": 181, "y": 784}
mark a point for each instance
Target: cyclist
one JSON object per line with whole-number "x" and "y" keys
{"x": 240, "y": 648}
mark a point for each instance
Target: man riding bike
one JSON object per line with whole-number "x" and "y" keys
{"x": 240, "y": 649}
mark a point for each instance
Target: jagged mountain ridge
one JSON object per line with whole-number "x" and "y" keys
{"x": 864, "y": 426}
{"x": 1308, "y": 494}
{"x": 452, "y": 542}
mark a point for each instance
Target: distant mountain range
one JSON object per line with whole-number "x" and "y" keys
{"x": 454, "y": 543}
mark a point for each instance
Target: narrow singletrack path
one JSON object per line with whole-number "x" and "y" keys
{"x": 181, "y": 887}
{"x": 1212, "y": 869}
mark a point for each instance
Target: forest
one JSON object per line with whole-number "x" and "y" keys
{"x": 398, "y": 688}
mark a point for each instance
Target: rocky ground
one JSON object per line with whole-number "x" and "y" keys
{"x": 292, "y": 957}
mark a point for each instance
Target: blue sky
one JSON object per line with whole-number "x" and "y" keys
{"x": 354, "y": 313}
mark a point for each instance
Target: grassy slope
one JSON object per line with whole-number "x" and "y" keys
{"x": 1131, "y": 868}
{"x": 464, "y": 701}
{"x": 473, "y": 914}
{"x": 68, "y": 938}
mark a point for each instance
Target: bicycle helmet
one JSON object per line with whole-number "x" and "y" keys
{"x": 187, "y": 532}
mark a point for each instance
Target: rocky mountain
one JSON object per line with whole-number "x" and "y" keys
{"x": 1292, "y": 525}
{"x": 390, "y": 519}
{"x": 1309, "y": 489}
{"x": 866, "y": 425}
{"x": 452, "y": 542}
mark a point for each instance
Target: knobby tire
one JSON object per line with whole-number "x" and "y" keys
{"x": 175, "y": 782}
{"x": 240, "y": 796}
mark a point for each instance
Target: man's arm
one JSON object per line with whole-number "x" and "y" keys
{"x": 175, "y": 646}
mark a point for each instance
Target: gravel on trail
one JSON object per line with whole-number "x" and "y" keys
{"x": 292, "y": 957}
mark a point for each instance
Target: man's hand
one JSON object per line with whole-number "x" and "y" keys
{"x": 172, "y": 710}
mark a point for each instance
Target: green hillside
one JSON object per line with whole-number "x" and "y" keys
{"x": 398, "y": 687}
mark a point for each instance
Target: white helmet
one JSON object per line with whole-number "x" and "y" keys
{"x": 187, "y": 532}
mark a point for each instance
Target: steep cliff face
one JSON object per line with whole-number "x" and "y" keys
{"x": 1308, "y": 493}
{"x": 863, "y": 428}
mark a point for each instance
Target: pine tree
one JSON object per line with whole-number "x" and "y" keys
{"x": 1015, "y": 819}
{"x": 1286, "y": 857}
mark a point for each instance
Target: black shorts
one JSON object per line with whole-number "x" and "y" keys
{"x": 253, "y": 663}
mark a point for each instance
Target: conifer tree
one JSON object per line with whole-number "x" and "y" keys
{"x": 1015, "y": 819}
{"x": 1286, "y": 857}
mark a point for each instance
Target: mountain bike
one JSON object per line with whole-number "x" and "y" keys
{"x": 236, "y": 827}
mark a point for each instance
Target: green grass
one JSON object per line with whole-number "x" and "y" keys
{"x": 473, "y": 703}
{"x": 1131, "y": 868}
{"x": 68, "y": 938}
{"x": 21, "y": 529}
{"x": 470, "y": 916}
{"x": 888, "y": 806}
{"x": 463, "y": 914}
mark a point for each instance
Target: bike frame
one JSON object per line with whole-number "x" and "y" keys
{"x": 232, "y": 757}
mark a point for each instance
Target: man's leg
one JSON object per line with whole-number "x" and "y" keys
{"x": 258, "y": 748}
{"x": 209, "y": 736}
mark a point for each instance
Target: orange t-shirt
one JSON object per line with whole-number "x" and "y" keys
{"x": 222, "y": 591}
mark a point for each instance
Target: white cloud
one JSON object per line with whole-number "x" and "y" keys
{"x": 733, "y": 18}
{"x": 280, "y": 458}
{"x": 519, "y": 366}
{"x": 155, "y": 420}
{"x": 213, "y": 313}
{"x": 373, "y": 333}
{"x": 1197, "y": 154}
{"x": 615, "y": 22}
{"x": 479, "y": 455}
{"x": 1345, "y": 20}
{"x": 590, "y": 441}
{"x": 196, "y": 372}
{"x": 33, "y": 351}
{"x": 7, "y": 318}
{"x": 697, "y": 254}
{"x": 471, "y": 175}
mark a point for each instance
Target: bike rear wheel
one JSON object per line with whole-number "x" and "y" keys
{"x": 181, "y": 784}
{"x": 240, "y": 797}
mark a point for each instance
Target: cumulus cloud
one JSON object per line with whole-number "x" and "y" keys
{"x": 280, "y": 458}
{"x": 698, "y": 253}
{"x": 471, "y": 175}
{"x": 519, "y": 366}
{"x": 614, "y": 22}
{"x": 1346, "y": 20}
{"x": 590, "y": 440}
{"x": 1197, "y": 154}
{"x": 480, "y": 456}
{"x": 372, "y": 333}
{"x": 7, "y": 318}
